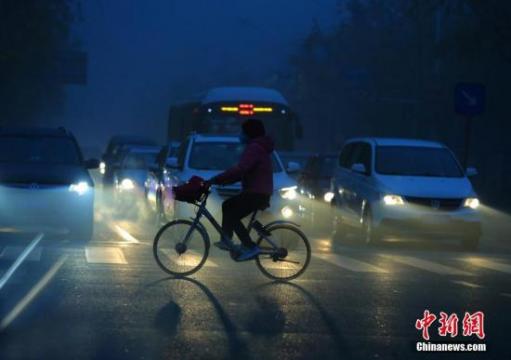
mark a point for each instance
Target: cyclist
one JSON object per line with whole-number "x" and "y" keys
{"x": 255, "y": 171}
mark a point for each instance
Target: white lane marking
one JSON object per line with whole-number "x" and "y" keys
{"x": 125, "y": 235}
{"x": 209, "y": 262}
{"x": 505, "y": 295}
{"x": 104, "y": 255}
{"x": 467, "y": 284}
{"x": 349, "y": 263}
{"x": 426, "y": 265}
{"x": 20, "y": 259}
{"x": 12, "y": 252}
{"x": 281, "y": 265}
{"x": 489, "y": 264}
{"x": 31, "y": 295}
{"x": 189, "y": 257}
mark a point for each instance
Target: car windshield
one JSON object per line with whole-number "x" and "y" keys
{"x": 136, "y": 160}
{"x": 290, "y": 157}
{"x": 219, "y": 156}
{"x": 416, "y": 161}
{"x": 40, "y": 149}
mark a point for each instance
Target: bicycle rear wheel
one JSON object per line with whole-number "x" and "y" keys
{"x": 292, "y": 256}
{"x": 176, "y": 257}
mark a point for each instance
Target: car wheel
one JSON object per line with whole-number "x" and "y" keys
{"x": 370, "y": 234}
{"x": 470, "y": 243}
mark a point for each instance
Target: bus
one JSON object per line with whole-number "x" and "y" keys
{"x": 222, "y": 110}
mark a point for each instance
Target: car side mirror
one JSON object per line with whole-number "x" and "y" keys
{"x": 92, "y": 164}
{"x": 293, "y": 167}
{"x": 172, "y": 163}
{"x": 471, "y": 171}
{"x": 359, "y": 168}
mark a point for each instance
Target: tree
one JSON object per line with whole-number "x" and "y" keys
{"x": 390, "y": 67}
{"x": 32, "y": 35}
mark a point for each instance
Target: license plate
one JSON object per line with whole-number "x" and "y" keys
{"x": 438, "y": 219}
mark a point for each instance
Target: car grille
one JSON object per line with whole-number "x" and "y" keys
{"x": 226, "y": 192}
{"x": 437, "y": 204}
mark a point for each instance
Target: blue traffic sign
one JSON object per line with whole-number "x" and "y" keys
{"x": 469, "y": 99}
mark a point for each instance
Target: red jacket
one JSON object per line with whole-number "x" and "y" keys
{"x": 254, "y": 170}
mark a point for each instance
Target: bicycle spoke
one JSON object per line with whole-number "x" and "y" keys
{"x": 174, "y": 255}
{"x": 289, "y": 261}
{"x": 288, "y": 256}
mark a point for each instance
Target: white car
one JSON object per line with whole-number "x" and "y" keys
{"x": 386, "y": 186}
{"x": 45, "y": 185}
{"x": 129, "y": 177}
{"x": 208, "y": 155}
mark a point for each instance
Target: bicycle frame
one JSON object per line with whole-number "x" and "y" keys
{"x": 203, "y": 211}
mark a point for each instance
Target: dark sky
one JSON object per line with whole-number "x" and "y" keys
{"x": 143, "y": 55}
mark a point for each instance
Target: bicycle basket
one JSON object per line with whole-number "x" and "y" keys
{"x": 191, "y": 191}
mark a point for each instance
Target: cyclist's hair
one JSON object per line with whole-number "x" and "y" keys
{"x": 253, "y": 128}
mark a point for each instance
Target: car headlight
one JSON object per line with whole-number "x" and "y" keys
{"x": 127, "y": 185}
{"x": 80, "y": 187}
{"x": 102, "y": 168}
{"x": 392, "y": 200}
{"x": 472, "y": 203}
{"x": 328, "y": 196}
{"x": 289, "y": 193}
{"x": 287, "y": 212}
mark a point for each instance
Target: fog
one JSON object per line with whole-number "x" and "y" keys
{"x": 145, "y": 55}
{"x": 347, "y": 67}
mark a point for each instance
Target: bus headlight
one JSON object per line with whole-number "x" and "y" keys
{"x": 328, "y": 196}
{"x": 127, "y": 185}
{"x": 289, "y": 193}
{"x": 80, "y": 188}
{"x": 392, "y": 200}
{"x": 472, "y": 203}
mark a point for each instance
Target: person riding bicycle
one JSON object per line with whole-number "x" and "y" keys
{"x": 255, "y": 171}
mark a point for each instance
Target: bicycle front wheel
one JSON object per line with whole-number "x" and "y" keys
{"x": 291, "y": 257}
{"x": 175, "y": 253}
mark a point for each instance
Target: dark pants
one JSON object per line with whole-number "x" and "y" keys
{"x": 238, "y": 207}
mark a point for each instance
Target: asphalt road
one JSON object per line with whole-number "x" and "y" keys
{"x": 108, "y": 300}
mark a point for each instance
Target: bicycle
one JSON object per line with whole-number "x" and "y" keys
{"x": 181, "y": 247}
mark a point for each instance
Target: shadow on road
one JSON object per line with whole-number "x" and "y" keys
{"x": 169, "y": 317}
{"x": 270, "y": 320}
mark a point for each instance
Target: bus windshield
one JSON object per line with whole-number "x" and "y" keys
{"x": 219, "y": 156}
{"x": 278, "y": 124}
{"x": 230, "y": 124}
{"x": 224, "y": 110}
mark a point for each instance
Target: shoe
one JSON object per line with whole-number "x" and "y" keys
{"x": 249, "y": 253}
{"x": 222, "y": 245}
